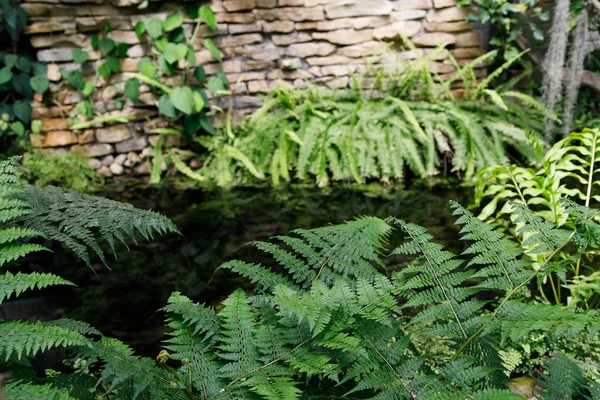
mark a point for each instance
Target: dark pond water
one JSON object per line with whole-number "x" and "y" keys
{"x": 123, "y": 301}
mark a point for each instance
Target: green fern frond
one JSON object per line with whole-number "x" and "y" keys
{"x": 562, "y": 379}
{"x": 16, "y": 284}
{"x": 28, "y": 391}
{"x": 28, "y": 339}
{"x": 436, "y": 284}
{"x": 498, "y": 257}
{"x": 72, "y": 218}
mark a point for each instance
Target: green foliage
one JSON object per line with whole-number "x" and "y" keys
{"x": 65, "y": 170}
{"x": 185, "y": 105}
{"x": 325, "y": 311}
{"x": 20, "y": 79}
{"x": 27, "y": 212}
{"x": 567, "y": 171}
{"x": 510, "y": 18}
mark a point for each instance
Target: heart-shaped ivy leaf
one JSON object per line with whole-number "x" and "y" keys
{"x": 39, "y": 85}
{"x": 154, "y": 27}
{"x": 166, "y": 107}
{"x": 132, "y": 89}
{"x": 80, "y": 56}
{"x": 5, "y": 75}
{"x": 207, "y": 15}
{"x": 22, "y": 110}
{"x": 182, "y": 99}
{"x": 175, "y": 52}
{"x": 210, "y": 46}
{"x": 173, "y": 22}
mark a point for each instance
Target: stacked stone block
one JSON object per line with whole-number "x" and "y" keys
{"x": 265, "y": 43}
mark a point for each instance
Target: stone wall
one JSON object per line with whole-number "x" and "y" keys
{"x": 264, "y": 42}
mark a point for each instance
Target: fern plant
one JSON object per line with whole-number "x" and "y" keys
{"x": 28, "y": 213}
{"x": 567, "y": 170}
{"x": 328, "y": 312}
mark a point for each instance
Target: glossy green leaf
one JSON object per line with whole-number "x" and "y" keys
{"x": 132, "y": 89}
{"x": 18, "y": 128}
{"x": 140, "y": 28}
{"x": 10, "y": 60}
{"x": 223, "y": 77}
{"x": 22, "y": 110}
{"x": 166, "y": 108}
{"x": 210, "y": 46}
{"x": 23, "y": 64}
{"x": 207, "y": 125}
{"x": 182, "y": 99}
{"x": 215, "y": 85}
{"x": 106, "y": 46}
{"x": 112, "y": 62}
{"x": 88, "y": 88}
{"x": 5, "y": 75}
{"x": 207, "y": 15}
{"x": 154, "y": 27}
{"x": 39, "y": 69}
{"x": 166, "y": 67}
{"x": 36, "y": 126}
{"x": 200, "y": 74}
{"x": 122, "y": 49}
{"x": 80, "y": 56}
{"x": 198, "y": 102}
{"x": 175, "y": 52}
{"x": 172, "y": 22}
{"x": 191, "y": 124}
{"x": 39, "y": 85}
{"x": 20, "y": 83}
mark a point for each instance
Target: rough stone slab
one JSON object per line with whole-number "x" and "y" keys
{"x": 133, "y": 144}
{"x": 44, "y": 27}
{"x": 238, "y": 40}
{"x": 113, "y": 134}
{"x": 369, "y": 22}
{"x": 357, "y": 9}
{"x": 128, "y": 37}
{"x": 434, "y": 39}
{"x": 291, "y": 3}
{"x": 239, "y": 5}
{"x": 87, "y": 136}
{"x": 281, "y": 74}
{"x": 467, "y": 39}
{"x": 331, "y": 60}
{"x": 467, "y": 52}
{"x": 444, "y": 3}
{"x": 266, "y": 3}
{"x": 310, "y": 49}
{"x": 401, "y": 5}
{"x": 458, "y": 26}
{"x": 296, "y": 14}
{"x": 345, "y": 36}
{"x": 92, "y": 150}
{"x": 236, "y": 18}
{"x": 37, "y": 112}
{"x": 246, "y": 76}
{"x": 337, "y": 83}
{"x": 408, "y": 15}
{"x": 278, "y": 26}
{"x": 365, "y": 49}
{"x": 338, "y": 70}
{"x": 331, "y": 25}
{"x": 306, "y": 26}
{"x": 395, "y": 30}
{"x": 55, "y": 124}
{"x": 447, "y": 14}
{"x": 54, "y": 139}
{"x": 236, "y": 29}
{"x": 255, "y": 65}
{"x": 295, "y": 37}
{"x": 41, "y": 41}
